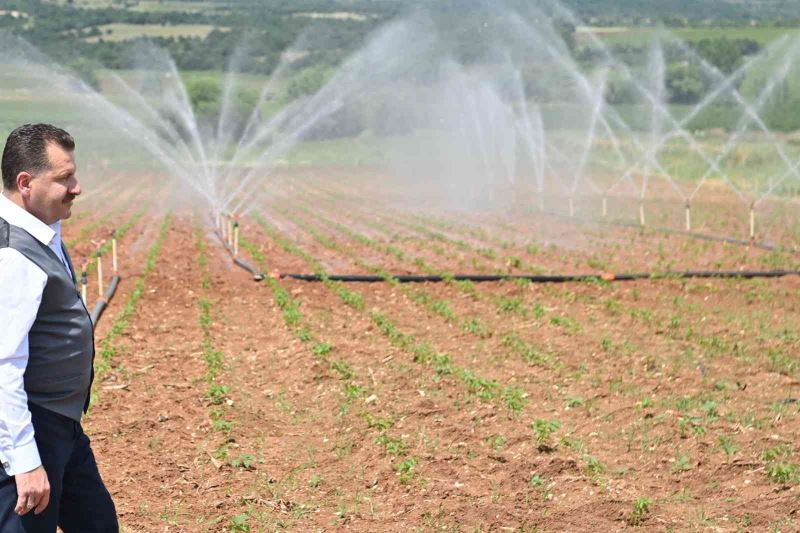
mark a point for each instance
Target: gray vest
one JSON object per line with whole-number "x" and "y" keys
{"x": 61, "y": 341}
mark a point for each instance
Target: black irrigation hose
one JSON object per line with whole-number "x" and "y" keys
{"x": 102, "y": 303}
{"x": 746, "y": 274}
{"x": 257, "y": 274}
{"x": 672, "y": 231}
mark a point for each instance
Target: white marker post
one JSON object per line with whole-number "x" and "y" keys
{"x": 688, "y": 216}
{"x": 641, "y": 213}
{"x": 236, "y": 238}
{"x": 84, "y": 283}
{"x": 99, "y": 274}
{"x": 605, "y": 207}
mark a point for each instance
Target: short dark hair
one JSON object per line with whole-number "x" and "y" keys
{"x": 26, "y": 150}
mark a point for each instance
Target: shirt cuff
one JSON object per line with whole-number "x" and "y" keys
{"x": 22, "y": 459}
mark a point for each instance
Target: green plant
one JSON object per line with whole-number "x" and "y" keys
{"x": 217, "y": 392}
{"x": 542, "y": 431}
{"x": 682, "y": 463}
{"x": 240, "y": 523}
{"x": 406, "y": 469}
{"x": 783, "y": 473}
{"x": 393, "y": 446}
{"x": 641, "y": 508}
{"x": 244, "y": 460}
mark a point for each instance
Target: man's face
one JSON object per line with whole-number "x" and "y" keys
{"x": 53, "y": 190}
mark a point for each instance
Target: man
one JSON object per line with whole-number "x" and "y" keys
{"x": 49, "y": 476}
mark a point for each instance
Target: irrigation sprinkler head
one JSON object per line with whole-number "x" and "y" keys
{"x": 114, "y": 233}
{"x": 98, "y": 254}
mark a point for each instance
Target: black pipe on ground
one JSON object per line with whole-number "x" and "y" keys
{"x": 257, "y": 274}
{"x": 102, "y": 303}
{"x": 745, "y": 274}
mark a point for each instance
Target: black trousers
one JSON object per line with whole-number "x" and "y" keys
{"x": 79, "y": 501}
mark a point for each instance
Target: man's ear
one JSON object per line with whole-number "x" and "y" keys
{"x": 24, "y": 183}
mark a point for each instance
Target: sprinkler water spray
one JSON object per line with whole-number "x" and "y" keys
{"x": 571, "y": 207}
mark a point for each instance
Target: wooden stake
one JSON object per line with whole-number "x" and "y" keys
{"x": 688, "y": 217}
{"x": 752, "y": 222}
{"x": 99, "y": 275}
{"x": 235, "y": 239}
{"x": 605, "y": 207}
{"x": 84, "y": 283}
{"x": 641, "y": 213}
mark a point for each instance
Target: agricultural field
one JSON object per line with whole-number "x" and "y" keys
{"x": 121, "y": 32}
{"x": 643, "y": 35}
{"x": 223, "y": 404}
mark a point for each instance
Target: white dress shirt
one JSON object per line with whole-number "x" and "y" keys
{"x": 21, "y": 285}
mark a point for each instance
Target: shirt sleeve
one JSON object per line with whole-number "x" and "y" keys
{"x": 21, "y": 287}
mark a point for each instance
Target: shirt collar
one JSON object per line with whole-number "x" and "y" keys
{"x": 17, "y": 216}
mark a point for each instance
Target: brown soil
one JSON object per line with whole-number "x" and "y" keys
{"x": 679, "y": 394}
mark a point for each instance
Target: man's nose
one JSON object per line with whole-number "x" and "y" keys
{"x": 76, "y": 190}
